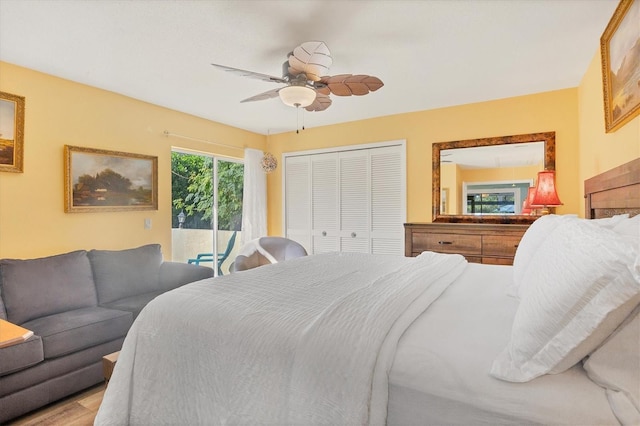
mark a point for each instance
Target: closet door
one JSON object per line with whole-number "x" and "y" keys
{"x": 324, "y": 203}
{"x": 388, "y": 200}
{"x": 354, "y": 209}
{"x": 297, "y": 200}
{"x": 351, "y": 201}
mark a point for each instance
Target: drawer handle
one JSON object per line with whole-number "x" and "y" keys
{"x": 324, "y": 233}
{"x": 353, "y": 235}
{"x": 445, "y": 242}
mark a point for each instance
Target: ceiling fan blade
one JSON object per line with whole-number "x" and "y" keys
{"x": 322, "y": 88}
{"x": 312, "y": 58}
{"x": 321, "y": 103}
{"x": 251, "y": 74}
{"x": 348, "y": 84}
{"x": 262, "y": 96}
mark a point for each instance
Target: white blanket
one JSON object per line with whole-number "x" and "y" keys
{"x": 307, "y": 341}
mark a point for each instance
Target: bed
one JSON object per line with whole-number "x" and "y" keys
{"x": 361, "y": 339}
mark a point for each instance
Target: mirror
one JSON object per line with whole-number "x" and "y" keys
{"x": 485, "y": 180}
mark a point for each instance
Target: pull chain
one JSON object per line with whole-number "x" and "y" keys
{"x": 298, "y": 118}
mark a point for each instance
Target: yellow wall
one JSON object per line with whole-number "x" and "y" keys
{"x": 601, "y": 151}
{"x": 60, "y": 112}
{"x": 550, "y": 111}
{"x": 501, "y": 174}
{"x": 449, "y": 178}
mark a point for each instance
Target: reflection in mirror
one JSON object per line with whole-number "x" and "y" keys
{"x": 487, "y": 180}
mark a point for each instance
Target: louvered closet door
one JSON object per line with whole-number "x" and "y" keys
{"x": 298, "y": 200}
{"x": 324, "y": 203}
{"x": 354, "y": 201}
{"x": 388, "y": 200}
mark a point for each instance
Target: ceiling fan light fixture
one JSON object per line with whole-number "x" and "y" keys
{"x": 297, "y": 96}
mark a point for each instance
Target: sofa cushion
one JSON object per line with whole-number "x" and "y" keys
{"x": 20, "y": 356}
{"x": 39, "y": 287}
{"x": 56, "y": 368}
{"x": 79, "y": 329}
{"x": 133, "y": 304}
{"x": 123, "y": 273}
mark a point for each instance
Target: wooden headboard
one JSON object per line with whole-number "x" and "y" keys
{"x": 615, "y": 191}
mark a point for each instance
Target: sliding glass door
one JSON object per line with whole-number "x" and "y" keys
{"x": 206, "y": 197}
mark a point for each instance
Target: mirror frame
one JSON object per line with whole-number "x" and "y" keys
{"x": 549, "y": 139}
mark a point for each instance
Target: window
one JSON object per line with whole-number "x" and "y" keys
{"x": 494, "y": 198}
{"x": 491, "y": 203}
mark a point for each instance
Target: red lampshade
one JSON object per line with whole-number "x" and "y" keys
{"x": 526, "y": 204}
{"x": 545, "y": 191}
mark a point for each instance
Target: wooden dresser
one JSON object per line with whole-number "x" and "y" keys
{"x": 479, "y": 243}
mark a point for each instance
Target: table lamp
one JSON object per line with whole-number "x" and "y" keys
{"x": 545, "y": 195}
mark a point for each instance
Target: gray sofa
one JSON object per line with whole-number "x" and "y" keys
{"x": 80, "y": 306}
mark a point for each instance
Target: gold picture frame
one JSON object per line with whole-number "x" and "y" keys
{"x": 97, "y": 180}
{"x": 620, "y": 50}
{"x": 11, "y": 132}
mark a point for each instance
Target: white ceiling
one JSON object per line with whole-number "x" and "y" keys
{"x": 429, "y": 53}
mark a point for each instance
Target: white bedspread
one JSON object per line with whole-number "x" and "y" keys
{"x": 307, "y": 341}
{"x": 440, "y": 375}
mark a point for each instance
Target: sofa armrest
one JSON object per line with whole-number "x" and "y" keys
{"x": 21, "y": 355}
{"x": 176, "y": 274}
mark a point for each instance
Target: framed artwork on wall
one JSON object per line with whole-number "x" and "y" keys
{"x": 97, "y": 180}
{"x": 620, "y": 50}
{"x": 11, "y": 132}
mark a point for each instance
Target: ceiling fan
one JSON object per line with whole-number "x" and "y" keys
{"x": 305, "y": 79}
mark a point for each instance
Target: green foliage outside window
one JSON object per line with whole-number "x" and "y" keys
{"x": 230, "y": 188}
{"x": 192, "y": 191}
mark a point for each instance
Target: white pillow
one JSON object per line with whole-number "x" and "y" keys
{"x": 616, "y": 367}
{"x": 610, "y": 222}
{"x": 580, "y": 285}
{"x": 630, "y": 229}
{"x": 529, "y": 245}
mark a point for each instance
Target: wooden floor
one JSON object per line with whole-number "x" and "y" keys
{"x": 76, "y": 410}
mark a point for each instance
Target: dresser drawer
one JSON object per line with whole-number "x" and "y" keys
{"x": 453, "y": 243}
{"x": 500, "y": 245}
{"x": 480, "y": 243}
{"x": 497, "y": 260}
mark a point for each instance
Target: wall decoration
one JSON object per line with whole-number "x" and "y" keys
{"x": 11, "y": 132}
{"x": 269, "y": 162}
{"x": 97, "y": 180}
{"x": 620, "y": 49}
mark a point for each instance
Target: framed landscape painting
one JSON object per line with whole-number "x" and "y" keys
{"x": 11, "y": 132}
{"x": 97, "y": 180}
{"x": 620, "y": 49}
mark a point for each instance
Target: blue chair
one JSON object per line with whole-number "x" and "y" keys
{"x": 208, "y": 257}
